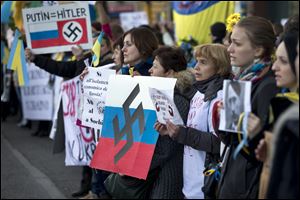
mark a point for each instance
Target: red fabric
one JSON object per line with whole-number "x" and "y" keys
{"x": 107, "y": 30}
{"x": 215, "y": 117}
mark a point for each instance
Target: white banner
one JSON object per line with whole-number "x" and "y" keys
{"x": 37, "y": 98}
{"x": 80, "y": 141}
{"x": 133, "y": 19}
{"x": 94, "y": 90}
{"x": 57, "y": 28}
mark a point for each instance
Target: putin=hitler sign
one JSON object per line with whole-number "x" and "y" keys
{"x": 57, "y": 28}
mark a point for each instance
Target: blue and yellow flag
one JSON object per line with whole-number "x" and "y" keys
{"x": 17, "y": 60}
{"x": 17, "y": 14}
{"x": 194, "y": 18}
{"x": 6, "y": 10}
{"x": 97, "y": 49}
{"x": 4, "y": 53}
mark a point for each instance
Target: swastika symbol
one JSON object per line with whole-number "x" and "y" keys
{"x": 72, "y": 31}
{"x": 129, "y": 120}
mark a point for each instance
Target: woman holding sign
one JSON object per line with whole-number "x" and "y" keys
{"x": 170, "y": 62}
{"x": 253, "y": 42}
{"x": 201, "y": 145}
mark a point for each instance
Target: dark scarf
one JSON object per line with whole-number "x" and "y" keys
{"x": 211, "y": 86}
{"x": 144, "y": 66}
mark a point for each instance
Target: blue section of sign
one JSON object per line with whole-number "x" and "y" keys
{"x": 149, "y": 136}
{"x": 44, "y": 35}
{"x": 191, "y": 7}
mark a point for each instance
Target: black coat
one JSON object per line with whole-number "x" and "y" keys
{"x": 168, "y": 154}
{"x": 240, "y": 177}
{"x": 67, "y": 69}
{"x": 284, "y": 176}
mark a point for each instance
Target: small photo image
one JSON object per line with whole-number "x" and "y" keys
{"x": 236, "y": 100}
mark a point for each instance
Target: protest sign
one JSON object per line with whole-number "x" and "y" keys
{"x": 80, "y": 141}
{"x": 94, "y": 90}
{"x": 165, "y": 106}
{"x": 237, "y": 100}
{"x": 57, "y": 28}
{"x": 37, "y": 97}
{"x": 130, "y": 20}
{"x": 128, "y": 138}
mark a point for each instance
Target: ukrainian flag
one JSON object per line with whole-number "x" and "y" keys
{"x": 6, "y": 10}
{"x": 17, "y": 60}
{"x": 4, "y": 53}
{"x": 17, "y": 14}
{"x": 194, "y": 18}
{"x": 97, "y": 50}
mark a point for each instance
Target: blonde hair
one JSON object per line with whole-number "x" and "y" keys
{"x": 217, "y": 54}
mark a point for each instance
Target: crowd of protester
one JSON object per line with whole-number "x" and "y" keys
{"x": 255, "y": 50}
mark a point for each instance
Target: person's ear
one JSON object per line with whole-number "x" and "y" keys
{"x": 259, "y": 52}
{"x": 170, "y": 73}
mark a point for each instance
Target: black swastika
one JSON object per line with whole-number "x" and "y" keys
{"x": 129, "y": 120}
{"x": 72, "y": 31}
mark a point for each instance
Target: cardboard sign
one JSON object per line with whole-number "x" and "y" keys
{"x": 57, "y": 28}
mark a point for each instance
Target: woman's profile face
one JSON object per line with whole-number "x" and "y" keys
{"x": 204, "y": 69}
{"x": 242, "y": 52}
{"x": 131, "y": 54}
{"x": 117, "y": 56}
{"x": 283, "y": 71}
{"x": 157, "y": 69}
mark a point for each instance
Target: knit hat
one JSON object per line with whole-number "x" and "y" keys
{"x": 290, "y": 40}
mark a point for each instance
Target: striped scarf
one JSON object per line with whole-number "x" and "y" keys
{"x": 255, "y": 72}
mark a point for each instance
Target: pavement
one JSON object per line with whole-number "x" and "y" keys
{"x": 29, "y": 169}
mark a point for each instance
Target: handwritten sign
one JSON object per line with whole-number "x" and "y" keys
{"x": 94, "y": 91}
{"x": 165, "y": 106}
{"x": 57, "y": 28}
{"x": 80, "y": 141}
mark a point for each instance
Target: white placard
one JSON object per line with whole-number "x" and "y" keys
{"x": 94, "y": 90}
{"x": 57, "y": 28}
{"x": 80, "y": 141}
{"x": 37, "y": 97}
{"x": 165, "y": 106}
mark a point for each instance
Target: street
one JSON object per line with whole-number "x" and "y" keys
{"x": 29, "y": 169}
